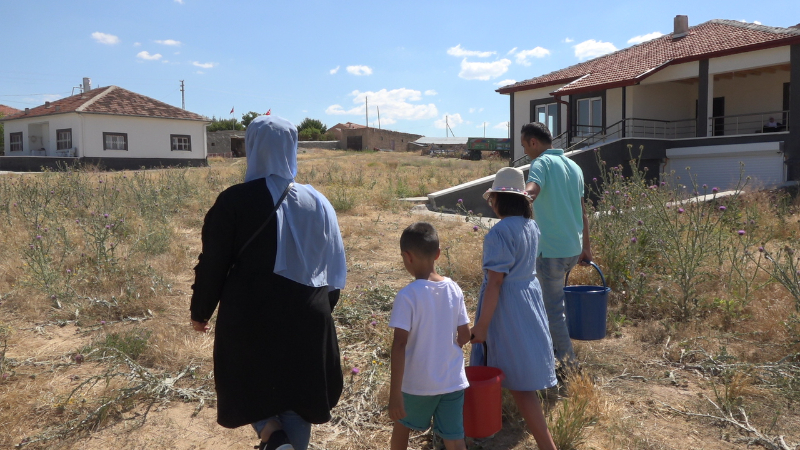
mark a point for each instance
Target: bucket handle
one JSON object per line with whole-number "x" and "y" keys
{"x": 602, "y": 278}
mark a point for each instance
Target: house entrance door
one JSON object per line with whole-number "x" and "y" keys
{"x": 718, "y": 110}
{"x": 786, "y": 99}
{"x": 237, "y": 147}
{"x": 354, "y": 143}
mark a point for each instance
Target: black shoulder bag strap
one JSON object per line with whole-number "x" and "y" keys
{"x": 263, "y": 225}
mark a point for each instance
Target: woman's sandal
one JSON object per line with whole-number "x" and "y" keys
{"x": 278, "y": 440}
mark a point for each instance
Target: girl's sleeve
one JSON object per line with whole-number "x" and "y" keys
{"x": 497, "y": 255}
{"x": 218, "y": 236}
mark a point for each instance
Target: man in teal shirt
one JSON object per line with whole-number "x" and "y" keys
{"x": 555, "y": 183}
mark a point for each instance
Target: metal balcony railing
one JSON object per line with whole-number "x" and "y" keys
{"x": 748, "y": 123}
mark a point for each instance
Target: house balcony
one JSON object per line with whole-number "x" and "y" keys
{"x": 734, "y": 125}
{"x": 739, "y": 124}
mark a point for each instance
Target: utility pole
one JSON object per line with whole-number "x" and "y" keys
{"x": 379, "y": 116}
{"x": 183, "y": 98}
{"x": 446, "y": 127}
{"x": 484, "y": 129}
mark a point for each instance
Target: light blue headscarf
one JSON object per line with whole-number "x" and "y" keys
{"x": 310, "y": 249}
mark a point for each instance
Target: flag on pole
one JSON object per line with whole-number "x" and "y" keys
{"x": 231, "y": 110}
{"x": 270, "y": 110}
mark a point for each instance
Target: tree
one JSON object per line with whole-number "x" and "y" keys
{"x": 225, "y": 124}
{"x": 309, "y": 134}
{"x": 312, "y": 123}
{"x": 247, "y": 118}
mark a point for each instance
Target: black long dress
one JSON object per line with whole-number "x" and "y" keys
{"x": 275, "y": 347}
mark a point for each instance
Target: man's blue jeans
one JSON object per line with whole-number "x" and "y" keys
{"x": 297, "y": 429}
{"x": 551, "y": 272}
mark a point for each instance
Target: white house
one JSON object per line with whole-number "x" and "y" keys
{"x": 110, "y": 126}
{"x": 700, "y": 97}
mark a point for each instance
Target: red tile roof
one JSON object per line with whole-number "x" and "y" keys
{"x": 628, "y": 66}
{"x": 110, "y": 100}
{"x": 7, "y": 110}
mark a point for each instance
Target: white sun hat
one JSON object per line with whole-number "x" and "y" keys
{"x": 509, "y": 180}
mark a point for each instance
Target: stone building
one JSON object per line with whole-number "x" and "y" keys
{"x": 225, "y": 143}
{"x": 368, "y": 138}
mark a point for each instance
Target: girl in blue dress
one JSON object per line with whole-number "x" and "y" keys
{"x": 511, "y": 318}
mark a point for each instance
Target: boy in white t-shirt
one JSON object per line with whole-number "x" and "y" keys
{"x": 430, "y": 326}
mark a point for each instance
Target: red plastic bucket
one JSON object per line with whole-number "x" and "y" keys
{"x": 483, "y": 401}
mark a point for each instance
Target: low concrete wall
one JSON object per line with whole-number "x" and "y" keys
{"x": 39, "y": 163}
{"x": 327, "y": 145}
{"x": 471, "y": 193}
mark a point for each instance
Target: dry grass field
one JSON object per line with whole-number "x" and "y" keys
{"x": 96, "y": 350}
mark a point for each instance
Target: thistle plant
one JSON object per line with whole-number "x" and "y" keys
{"x": 650, "y": 236}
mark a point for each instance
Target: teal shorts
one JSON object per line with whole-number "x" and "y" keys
{"x": 447, "y": 411}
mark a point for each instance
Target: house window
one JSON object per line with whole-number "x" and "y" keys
{"x": 115, "y": 141}
{"x": 64, "y": 139}
{"x": 548, "y": 115}
{"x": 16, "y": 142}
{"x": 590, "y": 116}
{"x": 181, "y": 142}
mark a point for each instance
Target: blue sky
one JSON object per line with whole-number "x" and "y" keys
{"x": 417, "y": 61}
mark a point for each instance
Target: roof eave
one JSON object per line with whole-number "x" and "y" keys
{"x": 9, "y": 118}
{"x": 733, "y": 51}
{"x": 528, "y": 87}
{"x": 144, "y": 116}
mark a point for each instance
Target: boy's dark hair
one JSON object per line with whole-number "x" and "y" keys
{"x": 421, "y": 239}
{"x": 538, "y": 131}
{"x": 512, "y": 205}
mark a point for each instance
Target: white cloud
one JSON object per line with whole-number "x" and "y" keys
{"x": 430, "y": 92}
{"x": 501, "y": 126}
{"x": 103, "y": 38}
{"x": 333, "y": 71}
{"x": 537, "y": 52}
{"x": 568, "y": 40}
{"x": 473, "y": 110}
{"x": 165, "y": 61}
{"x": 593, "y": 49}
{"x": 147, "y": 56}
{"x": 199, "y": 72}
{"x": 482, "y": 124}
{"x": 171, "y": 42}
{"x": 359, "y": 70}
{"x": 453, "y": 120}
{"x": 137, "y": 44}
{"x": 511, "y": 52}
{"x": 645, "y": 37}
{"x": 179, "y": 1}
{"x": 458, "y": 51}
{"x": 395, "y": 104}
{"x": 505, "y": 82}
{"x": 483, "y": 70}
{"x": 208, "y": 65}
{"x": 177, "y": 53}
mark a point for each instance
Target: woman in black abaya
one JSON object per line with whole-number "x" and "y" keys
{"x": 275, "y": 273}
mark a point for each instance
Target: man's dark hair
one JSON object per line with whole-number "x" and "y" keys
{"x": 421, "y": 239}
{"x": 538, "y": 131}
{"x": 509, "y": 205}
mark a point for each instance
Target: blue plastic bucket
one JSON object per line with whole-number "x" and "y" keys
{"x": 586, "y": 309}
